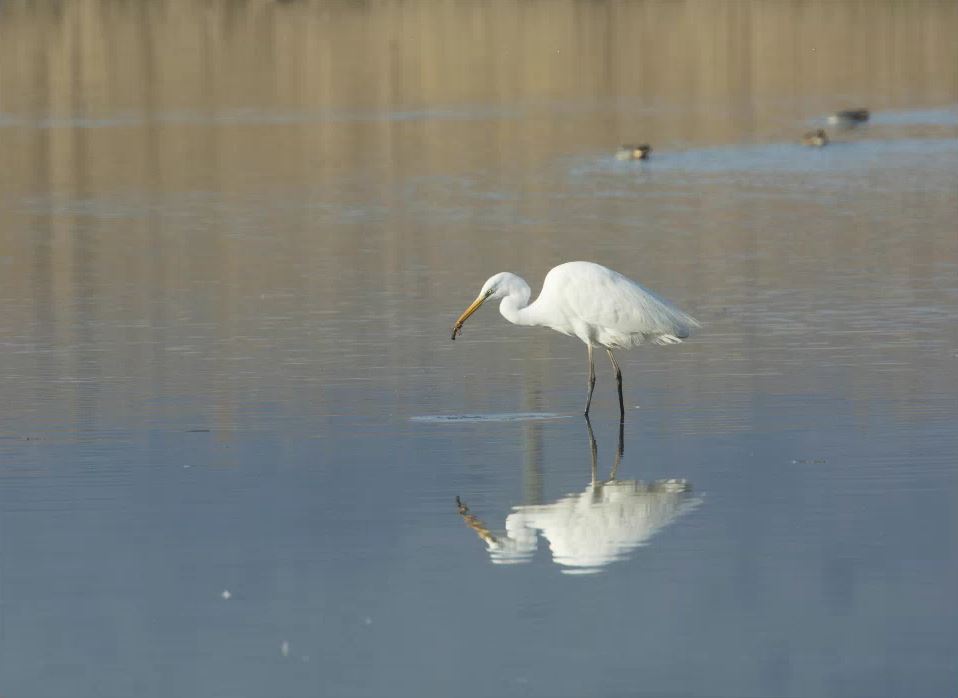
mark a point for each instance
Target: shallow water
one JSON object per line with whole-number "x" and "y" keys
{"x": 234, "y": 239}
{"x": 500, "y": 417}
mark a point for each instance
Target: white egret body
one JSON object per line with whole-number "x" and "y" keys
{"x": 586, "y": 300}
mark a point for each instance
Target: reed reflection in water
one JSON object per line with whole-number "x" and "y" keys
{"x": 595, "y": 528}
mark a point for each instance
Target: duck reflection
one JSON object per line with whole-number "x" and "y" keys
{"x": 588, "y": 530}
{"x": 849, "y": 118}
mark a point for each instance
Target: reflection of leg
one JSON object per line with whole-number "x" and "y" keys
{"x": 620, "y": 451}
{"x": 591, "y": 380}
{"x": 593, "y": 449}
{"x": 618, "y": 380}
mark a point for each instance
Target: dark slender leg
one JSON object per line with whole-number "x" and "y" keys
{"x": 618, "y": 380}
{"x": 618, "y": 454}
{"x": 594, "y": 449}
{"x": 591, "y": 380}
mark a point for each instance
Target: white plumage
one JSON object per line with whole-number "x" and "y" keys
{"x": 600, "y": 306}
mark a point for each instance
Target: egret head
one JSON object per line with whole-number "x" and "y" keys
{"x": 501, "y": 285}
{"x": 497, "y": 286}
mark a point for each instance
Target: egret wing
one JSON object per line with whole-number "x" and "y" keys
{"x": 619, "y": 311}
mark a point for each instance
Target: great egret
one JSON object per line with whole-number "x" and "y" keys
{"x": 634, "y": 152}
{"x": 815, "y": 139}
{"x": 599, "y": 306}
{"x": 849, "y": 117}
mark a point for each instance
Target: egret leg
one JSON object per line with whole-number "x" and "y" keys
{"x": 588, "y": 400}
{"x": 618, "y": 454}
{"x": 594, "y": 449}
{"x": 618, "y": 380}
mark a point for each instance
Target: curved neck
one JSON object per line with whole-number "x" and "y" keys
{"x": 514, "y": 307}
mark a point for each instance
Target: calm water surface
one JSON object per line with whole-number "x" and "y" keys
{"x": 234, "y": 238}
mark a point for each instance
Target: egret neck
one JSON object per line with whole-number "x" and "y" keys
{"x": 515, "y": 306}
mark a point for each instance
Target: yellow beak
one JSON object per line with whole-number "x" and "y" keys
{"x": 457, "y": 329}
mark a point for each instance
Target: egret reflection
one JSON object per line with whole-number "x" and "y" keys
{"x": 588, "y": 530}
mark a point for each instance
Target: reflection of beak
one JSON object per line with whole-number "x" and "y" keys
{"x": 474, "y": 523}
{"x": 457, "y": 329}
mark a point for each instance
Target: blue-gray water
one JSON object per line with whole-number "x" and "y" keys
{"x": 234, "y": 427}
